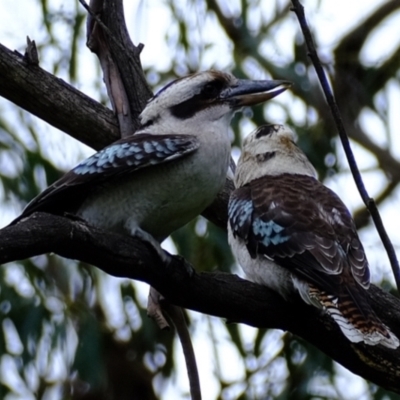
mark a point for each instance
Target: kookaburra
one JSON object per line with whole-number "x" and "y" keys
{"x": 155, "y": 181}
{"x": 291, "y": 233}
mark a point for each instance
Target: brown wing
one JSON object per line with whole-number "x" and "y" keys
{"x": 302, "y": 226}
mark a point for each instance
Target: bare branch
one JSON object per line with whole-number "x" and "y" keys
{"x": 218, "y": 294}
{"x": 127, "y": 58}
{"x": 129, "y": 92}
{"x": 362, "y": 215}
{"x": 178, "y": 318}
{"x": 368, "y": 201}
{"x": 55, "y": 101}
{"x": 97, "y": 43}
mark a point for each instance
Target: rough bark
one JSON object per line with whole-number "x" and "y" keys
{"x": 55, "y": 101}
{"x": 119, "y": 58}
{"x": 219, "y": 294}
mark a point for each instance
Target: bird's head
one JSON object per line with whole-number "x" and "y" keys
{"x": 204, "y": 97}
{"x": 271, "y": 150}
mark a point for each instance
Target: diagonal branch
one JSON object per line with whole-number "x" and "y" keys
{"x": 218, "y": 294}
{"x": 55, "y": 101}
{"x": 368, "y": 201}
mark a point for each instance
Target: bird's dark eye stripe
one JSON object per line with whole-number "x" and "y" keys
{"x": 212, "y": 89}
{"x": 262, "y": 157}
{"x": 198, "y": 102}
{"x": 266, "y": 130}
{"x": 188, "y": 108}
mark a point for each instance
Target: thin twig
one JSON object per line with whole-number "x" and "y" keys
{"x": 178, "y": 319}
{"x": 368, "y": 201}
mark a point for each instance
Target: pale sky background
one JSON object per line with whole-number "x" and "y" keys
{"x": 332, "y": 20}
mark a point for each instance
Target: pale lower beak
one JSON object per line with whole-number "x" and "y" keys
{"x": 247, "y": 92}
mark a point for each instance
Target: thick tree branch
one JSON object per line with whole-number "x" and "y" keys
{"x": 125, "y": 57}
{"x": 55, "y": 101}
{"x": 108, "y": 38}
{"x": 97, "y": 43}
{"x": 218, "y": 294}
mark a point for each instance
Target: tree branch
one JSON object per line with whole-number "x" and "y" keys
{"x": 126, "y": 56}
{"x": 96, "y": 41}
{"x": 217, "y": 294}
{"x": 368, "y": 201}
{"x": 362, "y": 216}
{"x": 55, "y": 101}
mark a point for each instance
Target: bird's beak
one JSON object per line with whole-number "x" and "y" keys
{"x": 247, "y": 92}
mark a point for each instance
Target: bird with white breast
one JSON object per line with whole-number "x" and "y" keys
{"x": 155, "y": 181}
{"x": 292, "y": 234}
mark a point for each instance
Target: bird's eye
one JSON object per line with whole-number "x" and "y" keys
{"x": 211, "y": 90}
{"x": 266, "y": 130}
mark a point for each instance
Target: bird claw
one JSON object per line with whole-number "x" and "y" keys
{"x": 186, "y": 265}
{"x": 164, "y": 256}
{"x": 154, "y": 308}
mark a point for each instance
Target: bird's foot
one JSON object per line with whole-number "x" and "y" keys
{"x": 186, "y": 265}
{"x": 146, "y": 237}
{"x": 154, "y": 308}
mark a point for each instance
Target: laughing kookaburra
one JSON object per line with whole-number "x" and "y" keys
{"x": 291, "y": 233}
{"x": 169, "y": 171}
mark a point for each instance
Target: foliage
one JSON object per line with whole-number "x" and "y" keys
{"x": 70, "y": 331}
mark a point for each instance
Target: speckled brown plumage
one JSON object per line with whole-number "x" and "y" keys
{"x": 292, "y": 233}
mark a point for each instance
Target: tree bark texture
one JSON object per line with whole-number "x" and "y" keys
{"x": 55, "y": 101}
{"x": 219, "y": 294}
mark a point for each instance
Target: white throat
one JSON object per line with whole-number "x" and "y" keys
{"x": 274, "y": 154}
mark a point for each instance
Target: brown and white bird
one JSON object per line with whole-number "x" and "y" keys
{"x": 168, "y": 172}
{"x": 291, "y": 233}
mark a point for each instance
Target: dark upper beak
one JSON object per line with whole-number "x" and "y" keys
{"x": 247, "y": 92}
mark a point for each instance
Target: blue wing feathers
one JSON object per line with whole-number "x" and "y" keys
{"x": 121, "y": 158}
{"x": 240, "y": 210}
{"x": 140, "y": 151}
{"x": 268, "y": 232}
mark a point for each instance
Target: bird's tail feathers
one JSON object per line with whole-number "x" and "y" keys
{"x": 355, "y": 318}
